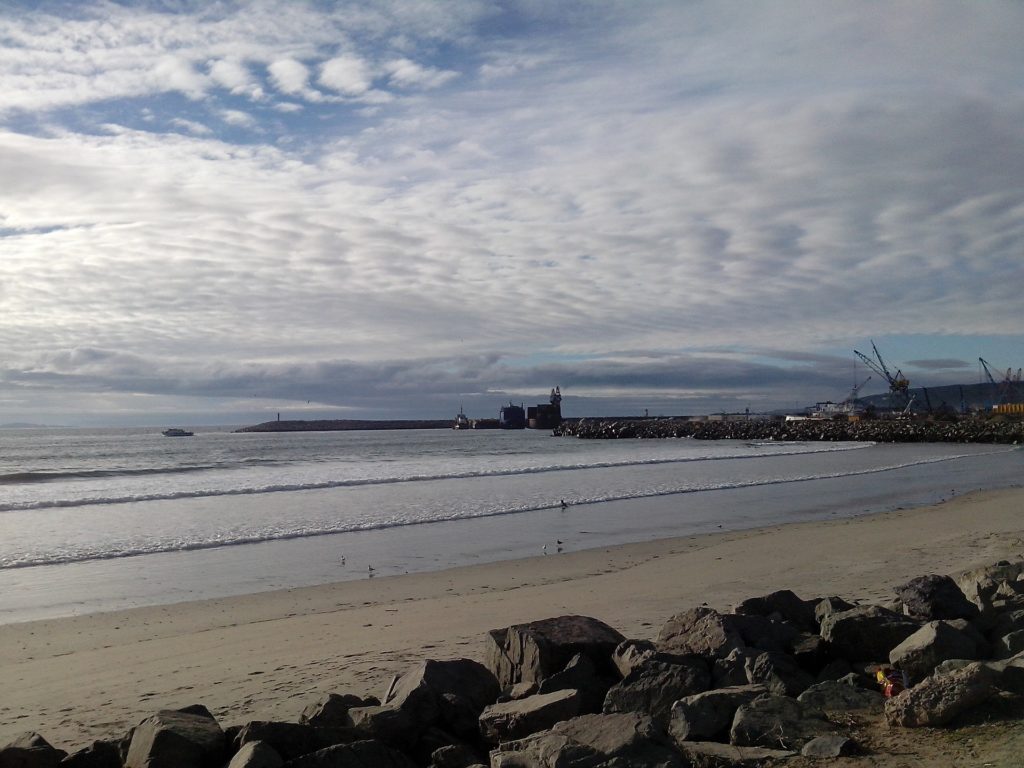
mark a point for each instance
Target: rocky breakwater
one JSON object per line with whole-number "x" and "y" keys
{"x": 776, "y": 680}
{"x": 878, "y": 431}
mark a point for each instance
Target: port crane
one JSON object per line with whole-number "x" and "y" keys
{"x": 1004, "y": 389}
{"x": 899, "y": 386}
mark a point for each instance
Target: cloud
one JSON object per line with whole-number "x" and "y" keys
{"x": 349, "y": 75}
{"x": 289, "y": 76}
{"x": 404, "y": 73}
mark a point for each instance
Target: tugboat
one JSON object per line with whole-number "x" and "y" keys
{"x": 176, "y": 432}
{"x": 461, "y": 420}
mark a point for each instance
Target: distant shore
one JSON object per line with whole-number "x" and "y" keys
{"x": 338, "y": 425}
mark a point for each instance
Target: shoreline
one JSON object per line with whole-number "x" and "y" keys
{"x": 263, "y": 656}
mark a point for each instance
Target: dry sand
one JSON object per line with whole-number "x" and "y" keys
{"x": 263, "y": 656}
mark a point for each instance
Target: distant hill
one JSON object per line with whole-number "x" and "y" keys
{"x": 975, "y": 397}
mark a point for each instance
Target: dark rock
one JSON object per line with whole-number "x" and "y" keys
{"x": 811, "y": 653}
{"x": 779, "y": 672}
{"x": 867, "y": 632}
{"x": 539, "y": 649}
{"x": 330, "y": 709}
{"x": 830, "y": 745}
{"x": 1005, "y": 622}
{"x": 513, "y": 720}
{"x": 934, "y": 597}
{"x": 1009, "y": 645}
{"x": 456, "y": 756}
{"x": 99, "y": 754}
{"x": 732, "y": 670}
{"x": 174, "y": 738}
{"x": 629, "y": 739}
{"x": 834, "y": 670}
{"x": 386, "y": 724}
{"x": 291, "y": 740}
{"x": 256, "y": 754}
{"x": 766, "y": 634}
{"x": 580, "y": 675}
{"x": 783, "y": 604}
{"x": 835, "y": 696}
{"x": 631, "y": 653}
{"x": 701, "y": 631}
{"x": 710, "y": 754}
{"x": 826, "y": 606}
{"x": 939, "y": 699}
{"x": 358, "y": 754}
{"x": 933, "y": 643}
{"x": 708, "y": 715}
{"x": 451, "y": 694}
{"x": 519, "y": 691}
{"x": 30, "y": 750}
{"x": 1011, "y": 674}
{"x": 777, "y": 722}
{"x": 656, "y": 684}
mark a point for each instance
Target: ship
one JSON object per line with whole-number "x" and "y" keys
{"x": 461, "y": 420}
{"x": 176, "y": 432}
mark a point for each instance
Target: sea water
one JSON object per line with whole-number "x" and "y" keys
{"x": 103, "y": 519}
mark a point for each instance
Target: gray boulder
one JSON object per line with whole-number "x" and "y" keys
{"x": 779, "y": 672}
{"x": 30, "y": 750}
{"x": 330, "y": 709}
{"x": 291, "y": 740}
{"x": 256, "y": 754}
{"x": 593, "y": 741}
{"x": 1009, "y": 645}
{"x": 1011, "y": 673}
{"x": 707, "y": 716}
{"x": 654, "y": 686}
{"x": 981, "y": 585}
{"x": 391, "y": 725}
{"x": 631, "y": 653}
{"x": 170, "y": 739}
{"x": 867, "y": 632}
{"x": 732, "y": 670}
{"x": 940, "y": 698}
{"x": 537, "y": 650}
{"x": 451, "y": 694}
{"x": 777, "y": 722}
{"x": 580, "y": 675}
{"x": 934, "y": 597}
{"x": 513, "y": 720}
{"x": 99, "y": 754}
{"x": 830, "y": 745}
{"x": 836, "y": 696}
{"x": 455, "y": 756}
{"x": 783, "y": 604}
{"x": 711, "y": 754}
{"x": 701, "y": 631}
{"x": 826, "y": 606}
{"x": 358, "y": 754}
{"x": 933, "y": 643}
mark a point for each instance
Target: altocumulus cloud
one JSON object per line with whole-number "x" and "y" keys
{"x": 388, "y": 206}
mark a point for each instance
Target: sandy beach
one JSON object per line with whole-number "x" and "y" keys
{"x": 263, "y": 656}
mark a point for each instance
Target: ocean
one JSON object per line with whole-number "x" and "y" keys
{"x": 94, "y": 520}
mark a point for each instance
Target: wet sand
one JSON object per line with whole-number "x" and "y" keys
{"x": 263, "y": 656}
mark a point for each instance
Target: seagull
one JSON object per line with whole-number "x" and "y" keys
{"x": 545, "y": 549}
{"x": 558, "y": 541}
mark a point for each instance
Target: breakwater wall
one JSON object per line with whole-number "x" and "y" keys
{"x": 335, "y": 425}
{"x": 880, "y": 431}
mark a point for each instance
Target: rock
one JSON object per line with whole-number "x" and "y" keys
{"x": 835, "y": 696}
{"x": 358, "y": 754}
{"x": 766, "y": 634}
{"x": 1006, "y": 622}
{"x": 779, "y": 672}
{"x": 330, "y": 709}
{"x": 1011, "y": 674}
{"x": 951, "y": 665}
{"x": 174, "y": 738}
{"x": 628, "y": 739}
{"x": 580, "y": 675}
{"x": 539, "y": 649}
{"x": 518, "y": 691}
{"x": 830, "y": 745}
{"x": 732, "y": 670}
{"x": 834, "y": 670}
{"x": 455, "y": 756}
{"x": 935, "y": 642}
{"x": 934, "y": 597}
{"x": 631, "y": 653}
{"x": 256, "y": 754}
{"x": 867, "y": 632}
{"x": 981, "y": 585}
{"x": 513, "y": 720}
{"x": 708, "y": 715}
{"x": 99, "y": 754}
{"x": 826, "y": 606}
{"x": 940, "y": 698}
{"x": 654, "y": 686}
{"x": 710, "y": 754}
{"x": 1009, "y": 645}
{"x": 777, "y": 722}
{"x": 783, "y": 604}
{"x": 451, "y": 694}
{"x": 387, "y": 724}
{"x": 292, "y": 740}
{"x": 811, "y": 653}
{"x": 701, "y": 631}
{"x": 30, "y": 750}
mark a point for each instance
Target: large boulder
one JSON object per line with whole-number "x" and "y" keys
{"x": 513, "y": 720}
{"x": 783, "y": 604}
{"x": 331, "y": 709}
{"x": 934, "y": 597}
{"x": 632, "y": 653}
{"x": 711, "y": 754}
{"x": 256, "y": 754}
{"x": 701, "y": 631}
{"x": 391, "y": 725}
{"x": 291, "y": 740}
{"x": 99, "y": 754}
{"x": 1008, "y": 645}
{"x": 836, "y": 696}
{"x": 777, "y": 722}
{"x": 779, "y": 672}
{"x": 451, "y": 694}
{"x": 981, "y": 585}
{"x": 658, "y": 683}
{"x": 537, "y": 650}
{"x": 628, "y": 739}
{"x": 581, "y": 676}
{"x": 939, "y": 699}
{"x": 30, "y": 750}
{"x": 173, "y": 738}
{"x": 867, "y": 632}
{"x": 933, "y": 643}
{"x": 358, "y": 754}
{"x": 707, "y": 716}
{"x": 826, "y": 606}
{"x": 732, "y": 670}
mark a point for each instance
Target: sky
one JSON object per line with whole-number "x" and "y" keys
{"x": 215, "y": 212}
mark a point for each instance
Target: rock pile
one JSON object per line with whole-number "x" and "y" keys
{"x": 777, "y": 676}
{"x": 877, "y": 431}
